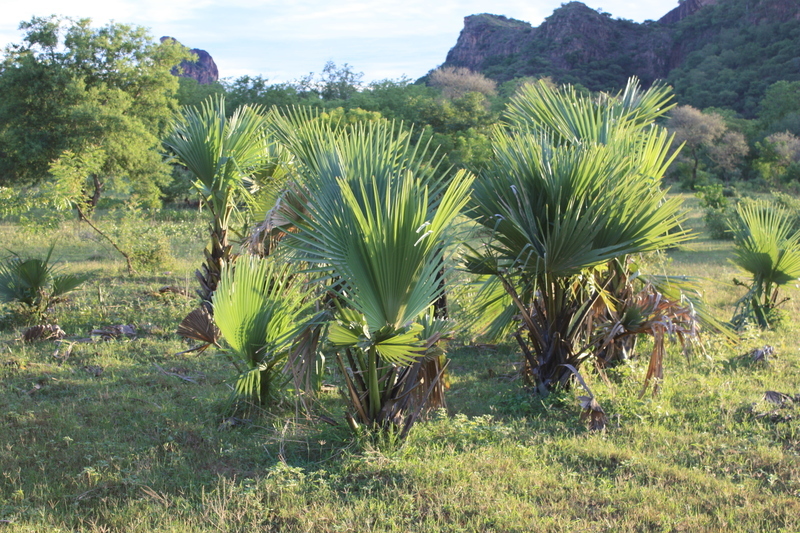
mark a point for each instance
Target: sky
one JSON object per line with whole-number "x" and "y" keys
{"x": 284, "y": 40}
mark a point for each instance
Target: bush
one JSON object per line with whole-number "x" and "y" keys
{"x": 34, "y": 286}
{"x": 717, "y": 215}
{"x": 145, "y": 242}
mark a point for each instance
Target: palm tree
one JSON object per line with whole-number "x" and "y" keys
{"x": 375, "y": 222}
{"x": 767, "y": 248}
{"x": 573, "y": 186}
{"x": 259, "y": 307}
{"x": 221, "y": 153}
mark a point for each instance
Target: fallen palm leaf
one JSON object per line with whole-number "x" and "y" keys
{"x": 43, "y": 332}
{"x": 171, "y": 288}
{"x": 176, "y": 374}
{"x": 114, "y": 332}
{"x": 778, "y": 398}
{"x": 592, "y": 411}
{"x": 761, "y": 354}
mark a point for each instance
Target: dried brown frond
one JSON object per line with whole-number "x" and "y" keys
{"x": 43, "y": 332}
{"x": 593, "y": 413}
{"x": 199, "y": 325}
{"x": 761, "y": 354}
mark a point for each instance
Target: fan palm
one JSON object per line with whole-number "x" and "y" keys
{"x": 574, "y": 184}
{"x": 34, "y": 284}
{"x": 767, "y": 248}
{"x": 376, "y": 220}
{"x": 221, "y": 153}
{"x": 258, "y": 307}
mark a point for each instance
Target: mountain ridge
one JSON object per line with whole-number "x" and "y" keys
{"x": 697, "y": 40}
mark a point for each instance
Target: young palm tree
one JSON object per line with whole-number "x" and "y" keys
{"x": 574, "y": 184}
{"x": 259, "y": 307}
{"x": 767, "y": 248}
{"x": 35, "y": 284}
{"x": 221, "y": 153}
{"x": 375, "y": 221}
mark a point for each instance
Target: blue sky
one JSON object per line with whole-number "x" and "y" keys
{"x": 284, "y": 40}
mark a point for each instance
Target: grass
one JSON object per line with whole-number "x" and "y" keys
{"x": 124, "y": 435}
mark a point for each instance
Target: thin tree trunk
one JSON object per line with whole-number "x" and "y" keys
{"x": 100, "y": 232}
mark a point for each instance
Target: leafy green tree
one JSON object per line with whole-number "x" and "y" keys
{"x": 191, "y": 92}
{"x": 779, "y": 158}
{"x": 255, "y": 90}
{"x": 339, "y": 83}
{"x": 779, "y": 110}
{"x": 68, "y": 86}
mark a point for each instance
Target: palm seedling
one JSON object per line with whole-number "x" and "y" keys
{"x": 574, "y": 185}
{"x": 768, "y": 249}
{"x": 375, "y": 222}
{"x": 259, "y": 307}
{"x": 35, "y": 285}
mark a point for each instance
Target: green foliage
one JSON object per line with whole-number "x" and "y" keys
{"x": 368, "y": 199}
{"x": 716, "y": 212}
{"x": 35, "y": 285}
{"x": 573, "y": 185}
{"x": 768, "y": 248}
{"x": 498, "y": 458}
{"x": 224, "y": 154}
{"x": 779, "y": 110}
{"x": 732, "y": 60}
{"x": 108, "y": 87}
{"x": 258, "y": 307}
{"x": 147, "y": 246}
{"x": 709, "y": 146}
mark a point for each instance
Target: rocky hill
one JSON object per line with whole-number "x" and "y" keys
{"x": 715, "y": 52}
{"x": 203, "y": 69}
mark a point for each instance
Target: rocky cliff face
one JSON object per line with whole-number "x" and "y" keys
{"x": 577, "y": 44}
{"x": 574, "y": 38}
{"x": 204, "y": 69}
{"x": 487, "y": 36}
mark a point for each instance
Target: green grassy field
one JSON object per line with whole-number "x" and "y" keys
{"x": 124, "y": 435}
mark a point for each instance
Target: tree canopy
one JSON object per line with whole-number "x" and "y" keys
{"x": 108, "y": 88}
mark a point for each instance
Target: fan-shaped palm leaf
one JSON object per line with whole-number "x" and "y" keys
{"x": 258, "y": 307}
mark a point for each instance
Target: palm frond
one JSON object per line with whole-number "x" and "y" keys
{"x": 257, "y": 308}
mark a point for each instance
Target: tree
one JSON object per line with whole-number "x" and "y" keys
{"x": 779, "y": 110}
{"x": 339, "y": 83}
{"x": 455, "y": 82}
{"x": 109, "y": 87}
{"x": 706, "y": 137}
{"x": 221, "y": 153}
{"x": 572, "y": 190}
